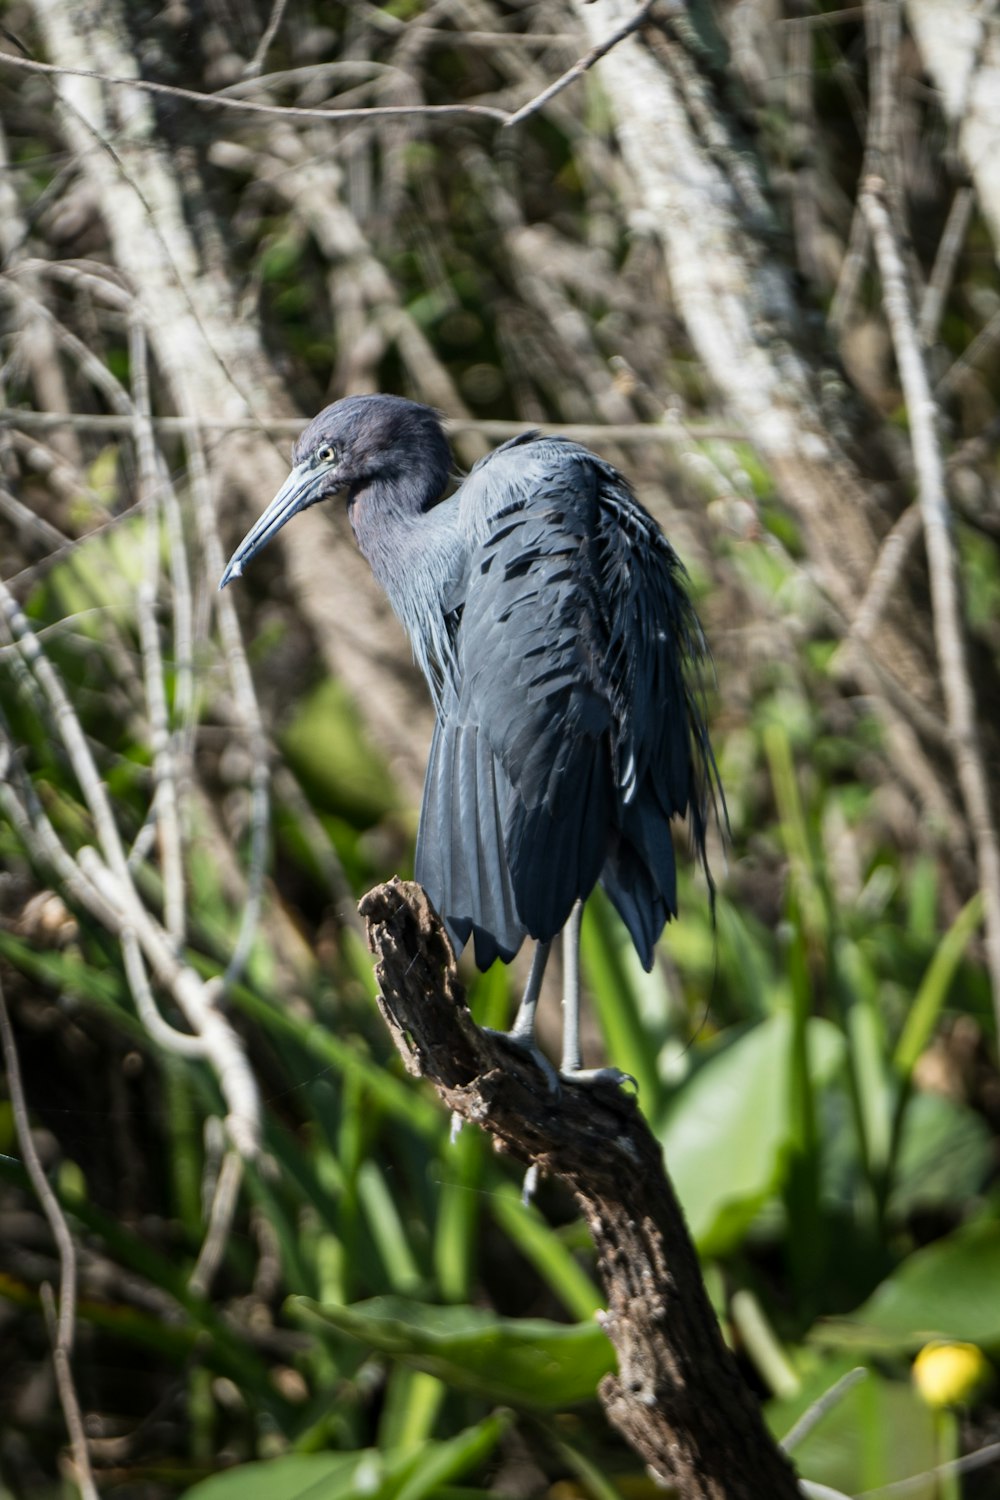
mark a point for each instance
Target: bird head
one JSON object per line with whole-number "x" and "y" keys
{"x": 380, "y": 442}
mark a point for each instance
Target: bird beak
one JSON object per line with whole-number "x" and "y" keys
{"x": 297, "y": 493}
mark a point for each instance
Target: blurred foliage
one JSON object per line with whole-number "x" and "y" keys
{"x": 390, "y": 1320}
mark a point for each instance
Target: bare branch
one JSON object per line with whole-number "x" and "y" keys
{"x": 256, "y": 63}
{"x": 889, "y": 564}
{"x": 164, "y": 778}
{"x": 220, "y": 1222}
{"x": 678, "y": 1397}
{"x": 66, "y": 1321}
{"x": 290, "y": 427}
{"x": 882, "y": 33}
{"x": 251, "y": 106}
{"x": 815, "y": 1413}
{"x": 943, "y": 270}
{"x": 111, "y": 877}
{"x": 579, "y": 68}
{"x": 943, "y": 562}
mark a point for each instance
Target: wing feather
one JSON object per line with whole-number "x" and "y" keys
{"x": 571, "y": 731}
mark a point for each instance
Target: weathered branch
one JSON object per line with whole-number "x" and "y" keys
{"x": 678, "y": 1397}
{"x": 942, "y": 558}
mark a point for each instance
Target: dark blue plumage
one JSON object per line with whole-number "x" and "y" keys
{"x": 550, "y": 616}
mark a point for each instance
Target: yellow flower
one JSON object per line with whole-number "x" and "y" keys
{"x": 950, "y": 1374}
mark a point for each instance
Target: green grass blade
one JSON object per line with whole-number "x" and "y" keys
{"x": 552, "y": 1260}
{"x": 626, "y": 1037}
{"x": 933, "y": 991}
{"x": 387, "y": 1230}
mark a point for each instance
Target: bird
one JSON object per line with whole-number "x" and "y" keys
{"x": 553, "y": 622}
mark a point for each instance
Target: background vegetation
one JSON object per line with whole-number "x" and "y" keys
{"x": 690, "y": 258}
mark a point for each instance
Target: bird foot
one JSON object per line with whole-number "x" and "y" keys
{"x": 528, "y": 1046}
{"x": 588, "y": 1076}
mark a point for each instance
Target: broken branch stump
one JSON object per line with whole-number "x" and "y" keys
{"x": 678, "y": 1397}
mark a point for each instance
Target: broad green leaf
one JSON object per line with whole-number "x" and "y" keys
{"x": 102, "y": 572}
{"x": 728, "y": 1132}
{"x": 286, "y": 1478}
{"x": 946, "y": 1291}
{"x": 878, "y": 1432}
{"x": 438, "y": 1462}
{"x": 369, "y": 1474}
{"x": 523, "y": 1361}
{"x": 944, "y": 1156}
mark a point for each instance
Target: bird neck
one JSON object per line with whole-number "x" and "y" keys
{"x": 415, "y": 556}
{"x": 387, "y": 523}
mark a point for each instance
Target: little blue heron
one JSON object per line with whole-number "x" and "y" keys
{"x": 550, "y": 617}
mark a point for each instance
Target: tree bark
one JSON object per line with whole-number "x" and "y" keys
{"x": 678, "y": 1397}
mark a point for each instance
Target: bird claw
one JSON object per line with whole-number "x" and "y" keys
{"x": 588, "y": 1076}
{"x": 529, "y": 1048}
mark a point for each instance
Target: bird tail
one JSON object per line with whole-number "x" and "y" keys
{"x": 460, "y": 859}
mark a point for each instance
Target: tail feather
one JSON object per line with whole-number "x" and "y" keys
{"x": 460, "y": 858}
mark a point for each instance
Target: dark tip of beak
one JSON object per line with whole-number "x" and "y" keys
{"x": 233, "y": 570}
{"x": 297, "y": 493}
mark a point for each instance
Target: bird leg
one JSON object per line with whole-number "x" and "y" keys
{"x": 523, "y": 1029}
{"x": 522, "y": 1033}
{"x": 571, "y": 1058}
{"x": 571, "y": 990}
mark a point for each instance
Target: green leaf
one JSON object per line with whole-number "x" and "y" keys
{"x": 728, "y": 1133}
{"x": 387, "y": 1229}
{"x": 401, "y": 1474}
{"x": 520, "y": 1361}
{"x": 410, "y": 1408}
{"x": 946, "y": 1291}
{"x": 69, "y": 971}
{"x": 616, "y": 978}
{"x": 879, "y": 1432}
{"x": 285, "y": 1478}
{"x": 934, "y": 986}
{"x": 336, "y": 764}
{"x": 551, "y": 1258}
{"x": 944, "y": 1156}
{"x": 438, "y": 1462}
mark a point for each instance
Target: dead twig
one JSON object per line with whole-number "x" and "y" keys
{"x": 220, "y": 1222}
{"x": 167, "y": 811}
{"x": 290, "y": 427}
{"x": 678, "y": 1397}
{"x": 256, "y": 63}
{"x": 251, "y": 106}
{"x": 65, "y": 1321}
{"x": 945, "y": 261}
{"x": 889, "y": 564}
{"x": 882, "y": 34}
{"x": 108, "y": 877}
{"x": 582, "y": 65}
{"x": 942, "y": 560}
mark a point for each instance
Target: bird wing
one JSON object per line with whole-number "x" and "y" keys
{"x": 461, "y": 857}
{"x": 565, "y": 740}
{"x": 656, "y": 660}
{"x": 530, "y": 682}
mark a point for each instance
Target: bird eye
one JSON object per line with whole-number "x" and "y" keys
{"x": 327, "y": 454}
